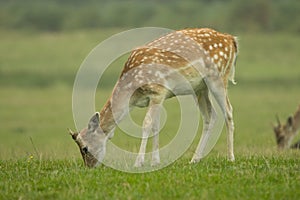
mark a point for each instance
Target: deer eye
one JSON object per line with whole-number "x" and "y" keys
{"x": 85, "y": 149}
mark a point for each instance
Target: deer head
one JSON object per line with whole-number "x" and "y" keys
{"x": 91, "y": 142}
{"x": 285, "y": 133}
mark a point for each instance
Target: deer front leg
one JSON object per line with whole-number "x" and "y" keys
{"x": 155, "y": 130}
{"x": 146, "y": 132}
{"x": 151, "y": 122}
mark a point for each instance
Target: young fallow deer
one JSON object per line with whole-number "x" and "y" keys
{"x": 204, "y": 57}
{"x": 285, "y": 133}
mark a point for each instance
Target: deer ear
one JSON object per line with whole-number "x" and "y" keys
{"x": 290, "y": 121}
{"x": 74, "y": 135}
{"x": 94, "y": 122}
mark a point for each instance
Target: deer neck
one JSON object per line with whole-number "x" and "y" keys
{"x": 111, "y": 116}
{"x": 107, "y": 121}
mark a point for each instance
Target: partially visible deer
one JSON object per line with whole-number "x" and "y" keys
{"x": 204, "y": 57}
{"x": 285, "y": 133}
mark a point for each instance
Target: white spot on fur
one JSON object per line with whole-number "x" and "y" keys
{"x": 159, "y": 74}
{"x": 219, "y": 64}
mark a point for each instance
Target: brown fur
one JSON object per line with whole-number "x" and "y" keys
{"x": 150, "y": 76}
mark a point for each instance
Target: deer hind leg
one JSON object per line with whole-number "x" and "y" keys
{"x": 218, "y": 90}
{"x": 150, "y": 123}
{"x": 230, "y": 129}
{"x": 208, "y": 115}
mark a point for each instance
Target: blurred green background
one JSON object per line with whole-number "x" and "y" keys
{"x": 43, "y": 43}
{"x": 227, "y": 15}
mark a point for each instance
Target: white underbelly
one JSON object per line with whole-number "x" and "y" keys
{"x": 185, "y": 87}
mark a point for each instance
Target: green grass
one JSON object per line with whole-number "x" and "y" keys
{"x": 38, "y": 160}
{"x": 250, "y": 177}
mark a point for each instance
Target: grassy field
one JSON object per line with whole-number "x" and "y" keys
{"x": 38, "y": 160}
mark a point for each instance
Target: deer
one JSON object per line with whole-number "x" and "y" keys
{"x": 203, "y": 57}
{"x": 285, "y": 133}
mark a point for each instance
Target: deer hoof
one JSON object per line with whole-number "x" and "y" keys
{"x": 139, "y": 162}
{"x": 195, "y": 160}
{"x": 231, "y": 158}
